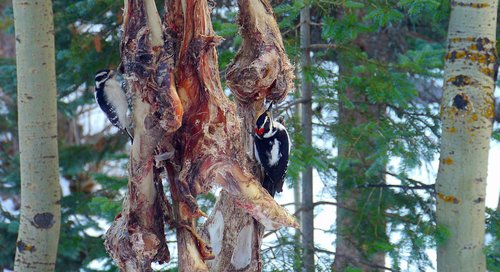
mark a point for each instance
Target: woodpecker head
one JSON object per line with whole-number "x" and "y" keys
{"x": 264, "y": 123}
{"x": 102, "y": 76}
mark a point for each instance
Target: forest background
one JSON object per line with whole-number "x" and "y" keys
{"x": 389, "y": 53}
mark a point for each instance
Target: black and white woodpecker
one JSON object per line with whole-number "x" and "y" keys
{"x": 112, "y": 99}
{"x": 271, "y": 148}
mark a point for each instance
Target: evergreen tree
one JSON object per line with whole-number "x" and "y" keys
{"x": 90, "y": 194}
{"x": 406, "y": 130}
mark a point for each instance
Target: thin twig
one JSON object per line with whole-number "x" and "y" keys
{"x": 319, "y": 46}
{"x": 383, "y": 185}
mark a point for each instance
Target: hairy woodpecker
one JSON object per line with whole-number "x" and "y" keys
{"x": 271, "y": 148}
{"x": 112, "y": 100}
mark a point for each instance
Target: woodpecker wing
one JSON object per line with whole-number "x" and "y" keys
{"x": 273, "y": 156}
{"x": 107, "y": 108}
{"x": 112, "y": 100}
{"x": 277, "y": 171}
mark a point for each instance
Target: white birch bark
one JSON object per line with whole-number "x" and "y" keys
{"x": 467, "y": 111}
{"x": 38, "y": 236}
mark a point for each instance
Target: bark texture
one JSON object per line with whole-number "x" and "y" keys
{"x": 36, "y": 246}
{"x": 136, "y": 238}
{"x": 357, "y": 232}
{"x": 467, "y": 112}
{"x": 186, "y": 128}
{"x": 260, "y": 70}
{"x": 307, "y": 175}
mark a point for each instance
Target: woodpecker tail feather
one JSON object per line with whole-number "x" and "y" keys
{"x": 269, "y": 185}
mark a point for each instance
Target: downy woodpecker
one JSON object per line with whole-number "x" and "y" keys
{"x": 271, "y": 148}
{"x": 112, "y": 100}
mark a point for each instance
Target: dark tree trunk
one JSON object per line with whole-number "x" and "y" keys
{"x": 357, "y": 231}
{"x": 307, "y": 215}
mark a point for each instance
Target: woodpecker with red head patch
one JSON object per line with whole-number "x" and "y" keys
{"x": 272, "y": 149}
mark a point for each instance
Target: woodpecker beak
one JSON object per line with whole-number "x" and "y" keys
{"x": 259, "y": 131}
{"x": 269, "y": 108}
{"x": 270, "y": 115}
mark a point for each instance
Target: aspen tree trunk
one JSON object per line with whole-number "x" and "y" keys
{"x": 307, "y": 216}
{"x": 36, "y": 248}
{"x": 467, "y": 111}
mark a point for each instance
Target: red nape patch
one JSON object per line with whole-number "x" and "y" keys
{"x": 259, "y": 131}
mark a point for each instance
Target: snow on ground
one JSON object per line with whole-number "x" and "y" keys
{"x": 8, "y": 205}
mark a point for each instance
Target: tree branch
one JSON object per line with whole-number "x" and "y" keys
{"x": 416, "y": 187}
{"x": 320, "y": 46}
{"x": 409, "y": 179}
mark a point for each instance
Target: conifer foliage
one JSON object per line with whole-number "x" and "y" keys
{"x": 375, "y": 71}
